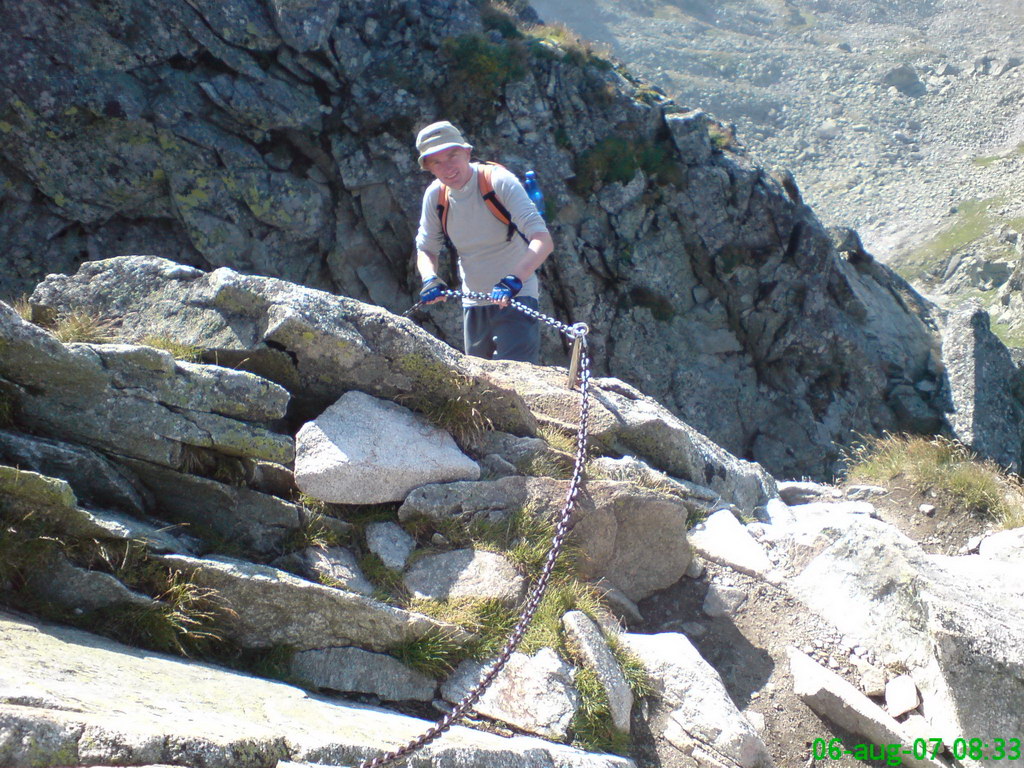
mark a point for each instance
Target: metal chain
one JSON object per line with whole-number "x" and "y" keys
{"x": 562, "y": 527}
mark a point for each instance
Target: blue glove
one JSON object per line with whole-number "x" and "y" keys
{"x": 432, "y": 289}
{"x": 506, "y": 288}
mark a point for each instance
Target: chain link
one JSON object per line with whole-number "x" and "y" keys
{"x": 562, "y": 528}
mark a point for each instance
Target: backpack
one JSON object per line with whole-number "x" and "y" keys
{"x": 495, "y": 205}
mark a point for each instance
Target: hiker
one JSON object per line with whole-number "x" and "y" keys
{"x": 499, "y": 246}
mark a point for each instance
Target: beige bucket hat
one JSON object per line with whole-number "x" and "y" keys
{"x": 439, "y": 136}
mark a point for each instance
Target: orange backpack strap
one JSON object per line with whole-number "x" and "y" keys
{"x": 442, "y": 214}
{"x": 490, "y": 197}
{"x": 493, "y": 203}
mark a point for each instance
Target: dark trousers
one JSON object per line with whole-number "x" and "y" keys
{"x": 502, "y": 333}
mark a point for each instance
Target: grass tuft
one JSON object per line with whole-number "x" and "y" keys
{"x": 21, "y": 305}
{"x": 488, "y": 619}
{"x": 943, "y": 467}
{"x": 83, "y": 327}
{"x": 388, "y": 583}
{"x": 592, "y": 724}
{"x": 189, "y": 353}
{"x": 313, "y": 531}
{"x": 435, "y": 654}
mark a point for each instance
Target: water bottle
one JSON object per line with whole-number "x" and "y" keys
{"x": 533, "y": 190}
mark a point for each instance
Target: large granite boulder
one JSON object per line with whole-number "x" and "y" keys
{"x": 363, "y": 450}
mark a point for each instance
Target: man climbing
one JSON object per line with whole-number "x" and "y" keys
{"x": 482, "y": 212}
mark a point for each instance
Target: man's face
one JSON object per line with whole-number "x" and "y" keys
{"x": 451, "y": 166}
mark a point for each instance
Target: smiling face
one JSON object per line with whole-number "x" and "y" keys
{"x": 451, "y": 166}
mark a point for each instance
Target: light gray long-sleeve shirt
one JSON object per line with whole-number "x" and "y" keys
{"x": 485, "y": 256}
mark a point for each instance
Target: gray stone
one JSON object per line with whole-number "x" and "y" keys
{"x": 695, "y": 569}
{"x": 904, "y": 78}
{"x": 624, "y": 609}
{"x": 59, "y": 582}
{"x": 463, "y": 573}
{"x": 390, "y": 543}
{"x": 353, "y": 670}
{"x": 801, "y": 492}
{"x": 834, "y": 699}
{"x": 723, "y": 601}
{"x": 54, "y": 500}
{"x": 596, "y": 654}
{"x": 675, "y": 447}
{"x": 150, "y": 709}
{"x": 690, "y": 135}
{"x": 1004, "y": 545}
{"x": 872, "y": 681}
{"x": 333, "y": 567}
{"x": 701, "y": 711}
{"x": 135, "y": 401}
{"x": 96, "y": 481}
{"x": 534, "y": 693}
{"x": 269, "y": 607}
{"x": 255, "y": 521}
{"x": 632, "y": 537}
{"x": 942, "y": 618}
{"x": 865, "y": 492}
{"x": 363, "y": 450}
{"x": 724, "y": 540}
{"x": 901, "y": 695}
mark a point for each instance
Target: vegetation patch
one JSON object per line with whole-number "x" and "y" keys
{"x": 617, "y": 159}
{"x": 974, "y": 220}
{"x": 435, "y": 654}
{"x": 578, "y": 50}
{"x": 314, "y": 531}
{"x": 480, "y": 68}
{"x": 83, "y": 327}
{"x": 447, "y": 399}
{"x": 188, "y": 353}
{"x": 182, "y": 619}
{"x": 21, "y": 305}
{"x": 387, "y": 582}
{"x": 591, "y": 726}
{"x": 944, "y": 468}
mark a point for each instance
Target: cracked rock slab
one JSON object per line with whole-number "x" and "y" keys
{"x": 71, "y": 698}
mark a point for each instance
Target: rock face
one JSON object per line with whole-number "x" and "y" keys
{"x": 78, "y": 393}
{"x": 876, "y": 584}
{"x": 363, "y": 450}
{"x": 987, "y": 411}
{"x": 124, "y": 707}
{"x": 705, "y": 280}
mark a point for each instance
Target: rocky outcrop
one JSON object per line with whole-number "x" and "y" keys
{"x": 320, "y": 346}
{"x": 987, "y": 407}
{"x": 923, "y": 612}
{"x": 119, "y": 706}
{"x": 632, "y": 537}
{"x": 211, "y": 140}
{"x": 79, "y": 393}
